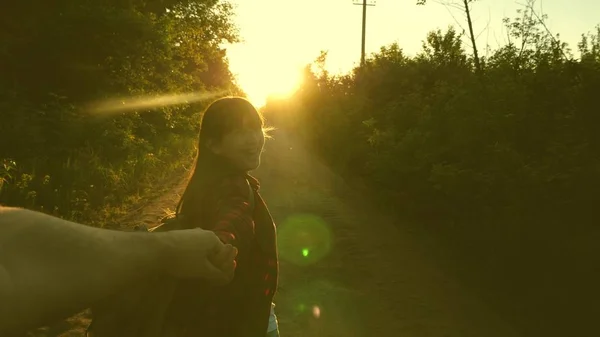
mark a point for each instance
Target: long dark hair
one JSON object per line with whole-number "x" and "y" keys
{"x": 221, "y": 117}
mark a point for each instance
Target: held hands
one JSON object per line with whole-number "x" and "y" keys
{"x": 224, "y": 260}
{"x": 198, "y": 253}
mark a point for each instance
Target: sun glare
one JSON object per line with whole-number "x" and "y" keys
{"x": 260, "y": 84}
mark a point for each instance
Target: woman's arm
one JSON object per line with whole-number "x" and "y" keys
{"x": 234, "y": 224}
{"x": 51, "y": 268}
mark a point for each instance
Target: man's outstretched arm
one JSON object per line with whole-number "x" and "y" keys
{"x": 51, "y": 268}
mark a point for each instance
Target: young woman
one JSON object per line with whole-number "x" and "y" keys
{"x": 221, "y": 196}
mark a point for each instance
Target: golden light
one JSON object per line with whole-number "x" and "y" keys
{"x": 121, "y": 104}
{"x": 277, "y": 81}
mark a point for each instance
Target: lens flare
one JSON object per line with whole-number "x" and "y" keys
{"x": 316, "y": 311}
{"x": 117, "y": 105}
{"x": 303, "y": 239}
{"x": 305, "y": 252}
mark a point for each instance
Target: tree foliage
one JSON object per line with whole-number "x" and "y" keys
{"x": 56, "y": 58}
{"x": 438, "y": 141}
{"x": 500, "y": 167}
{"x": 465, "y": 7}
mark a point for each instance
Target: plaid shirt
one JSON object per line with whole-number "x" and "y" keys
{"x": 242, "y": 307}
{"x": 237, "y": 224}
{"x": 234, "y": 221}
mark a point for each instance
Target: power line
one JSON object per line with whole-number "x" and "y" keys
{"x": 364, "y": 4}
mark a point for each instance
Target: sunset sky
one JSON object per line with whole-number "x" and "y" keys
{"x": 281, "y": 36}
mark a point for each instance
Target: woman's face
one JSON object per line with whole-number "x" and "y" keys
{"x": 242, "y": 147}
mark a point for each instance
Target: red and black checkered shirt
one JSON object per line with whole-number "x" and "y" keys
{"x": 241, "y": 308}
{"x": 252, "y": 231}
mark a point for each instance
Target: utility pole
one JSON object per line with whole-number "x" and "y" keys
{"x": 364, "y": 4}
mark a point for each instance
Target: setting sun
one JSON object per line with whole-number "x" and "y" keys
{"x": 280, "y": 37}
{"x": 259, "y": 83}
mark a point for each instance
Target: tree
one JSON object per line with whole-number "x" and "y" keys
{"x": 57, "y": 59}
{"x": 504, "y": 175}
{"x": 464, "y": 6}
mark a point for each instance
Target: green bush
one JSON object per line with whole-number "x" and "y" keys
{"x": 441, "y": 140}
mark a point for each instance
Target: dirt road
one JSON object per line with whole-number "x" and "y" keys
{"x": 370, "y": 277}
{"x": 346, "y": 270}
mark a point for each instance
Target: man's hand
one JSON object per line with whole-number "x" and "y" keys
{"x": 225, "y": 260}
{"x": 198, "y": 253}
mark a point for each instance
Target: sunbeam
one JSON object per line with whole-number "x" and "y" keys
{"x": 122, "y": 104}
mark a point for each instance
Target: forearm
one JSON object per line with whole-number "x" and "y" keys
{"x": 55, "y": 268}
